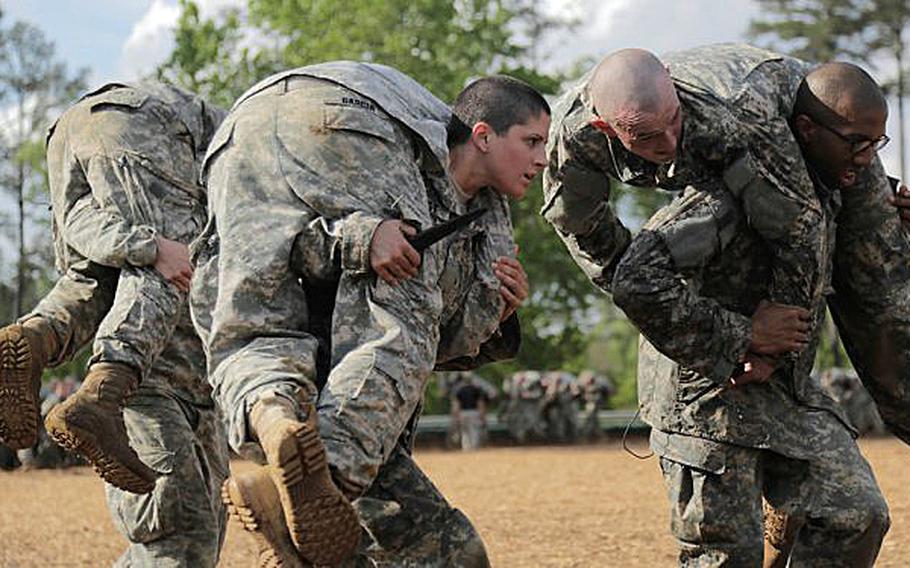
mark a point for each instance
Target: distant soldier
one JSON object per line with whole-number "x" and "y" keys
{"x": 593, "y": 391}
{"x": 844, "y": 386}
{"x": 469, "y": 410}
{"x": 559, "y": 410}
{"x": 523, "y": 412}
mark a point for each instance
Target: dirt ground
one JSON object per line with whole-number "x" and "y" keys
{"x": 535, "y": 507}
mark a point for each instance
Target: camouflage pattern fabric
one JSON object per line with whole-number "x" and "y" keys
{"x": 716, "y": 490}
{"x": 407, "y": 522}
{"x": 870, "y": 304}
{"x": 122, "y": 166}
{"x": 182, "y": 521}
{"x": 523, "y": 413}
{"x": 735, "y": 101}
{"x": 689, "y": 281}
{"x": 594, "y": 391}
{"x": 844, "y": 386}
{"x": 311, "y": 166}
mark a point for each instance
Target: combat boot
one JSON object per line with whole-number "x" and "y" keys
{"x": 24, "y": 352}
{"x": 322, "y": 523}
{"x": 252, "y": 499}
{"x": 90, "y": 423}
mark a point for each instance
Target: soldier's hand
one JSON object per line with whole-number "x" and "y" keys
{"x": 173, "y": 262}
{"x": 514, "y": 280}
{"x": 779, "y": 329}
{"x": 901, "y": 200}
{"x": 391, "y": 255}
{"x": 757, "y": 369}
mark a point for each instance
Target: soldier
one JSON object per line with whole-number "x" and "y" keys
{"x": 524, "y": 413}
{"x": 695, "y": 281}
{"x": 594, "y": 392}
{"x": 123, "y": 166}
{"x": 723, "y": 113}
{"x": 469, "y": 402}
{"x": 559, "y": 410}
{"x": 318, "y": 172}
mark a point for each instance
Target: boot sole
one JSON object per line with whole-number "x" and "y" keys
{"x": 110, "y": 469}
{"x": 19, "y": 410}
{"x": 322, "y": 523}
{"x": 274, "y": 551}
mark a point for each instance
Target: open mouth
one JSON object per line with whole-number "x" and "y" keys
{"x": 848, "y": 178}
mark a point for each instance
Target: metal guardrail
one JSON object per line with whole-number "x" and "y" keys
{"x": 610, "y": 420}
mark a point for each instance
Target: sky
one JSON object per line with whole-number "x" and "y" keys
{"x": 123, "y": 39}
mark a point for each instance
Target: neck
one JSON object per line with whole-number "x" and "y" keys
{"x": 464, "y": 167}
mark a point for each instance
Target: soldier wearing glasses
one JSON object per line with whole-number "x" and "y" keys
{"x": 723, "y": 112}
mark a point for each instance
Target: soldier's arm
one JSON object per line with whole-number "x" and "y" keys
{"x": 577, "y": 205}
{"x": 103, "y": 235}
{"x": 651, "y": 288}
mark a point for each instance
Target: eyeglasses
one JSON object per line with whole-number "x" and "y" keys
{"x": 858, "y": 144}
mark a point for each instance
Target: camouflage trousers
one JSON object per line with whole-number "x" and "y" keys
{"x": 130, "y": 312}
{"x": 524, "y": 419}
{"x": 182, "y": 521}
{"x": 716, "y": 492}
{"x": 407, "y": 522}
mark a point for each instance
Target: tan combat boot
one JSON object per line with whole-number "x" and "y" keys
{"x": 90, "y": 423}
{"x": 252, "y": 499}
{"x": 322, "y": 523}
{"x": 24, "y": 352}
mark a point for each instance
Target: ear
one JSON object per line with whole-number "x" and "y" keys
{"x": 480, "y": 136}
{"x": 804, "y": 128}
{"x": 603, "y": 126}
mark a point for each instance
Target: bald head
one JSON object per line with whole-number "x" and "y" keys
{"x": 837, "y": 93}
{"x": 630, "y": 83}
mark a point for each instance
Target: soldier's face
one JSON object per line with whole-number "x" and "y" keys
{"x": 518, "y": 155}
{"x": 650, "y": 135}
{"x": 840, "y": 153}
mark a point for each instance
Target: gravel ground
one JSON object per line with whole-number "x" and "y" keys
{"x": 535, "y": 507}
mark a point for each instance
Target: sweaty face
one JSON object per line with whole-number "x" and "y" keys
{"x": 831, "y": 149}
{"x": 518, "y": 155}
{"x": 651, "y": 135}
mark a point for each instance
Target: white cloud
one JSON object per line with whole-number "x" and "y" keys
{"x": 150, "y": 40}
{"x": 152, "y": 37}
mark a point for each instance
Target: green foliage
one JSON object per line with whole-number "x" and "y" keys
{"x": 855, "y": 30}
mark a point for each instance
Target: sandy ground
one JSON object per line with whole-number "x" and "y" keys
{"x": 535, "y": 507}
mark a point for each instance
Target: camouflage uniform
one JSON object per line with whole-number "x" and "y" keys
{"x": 594, "y": 391}
{"x": 122, "y": 164}
{"x": 523, "y": 414}
{"x": 736, "y": 101}
{"x": 112, "y": 192}
{"x": 560, "y": 411}
{"x": 690, "y": 281}
{"x": 301, "y": 172}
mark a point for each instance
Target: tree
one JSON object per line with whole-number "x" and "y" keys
{"x": 32, "y": 84}
{"x": 856, "y": 30}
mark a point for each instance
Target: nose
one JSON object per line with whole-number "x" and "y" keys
{"x": 540, "y": 157}
{"x": 864, "y": 158}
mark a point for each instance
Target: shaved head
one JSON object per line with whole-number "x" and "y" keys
{"x": 629, "y": 84}
{"x": 839, "y": 92}
{"x": 839, "y": 117}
